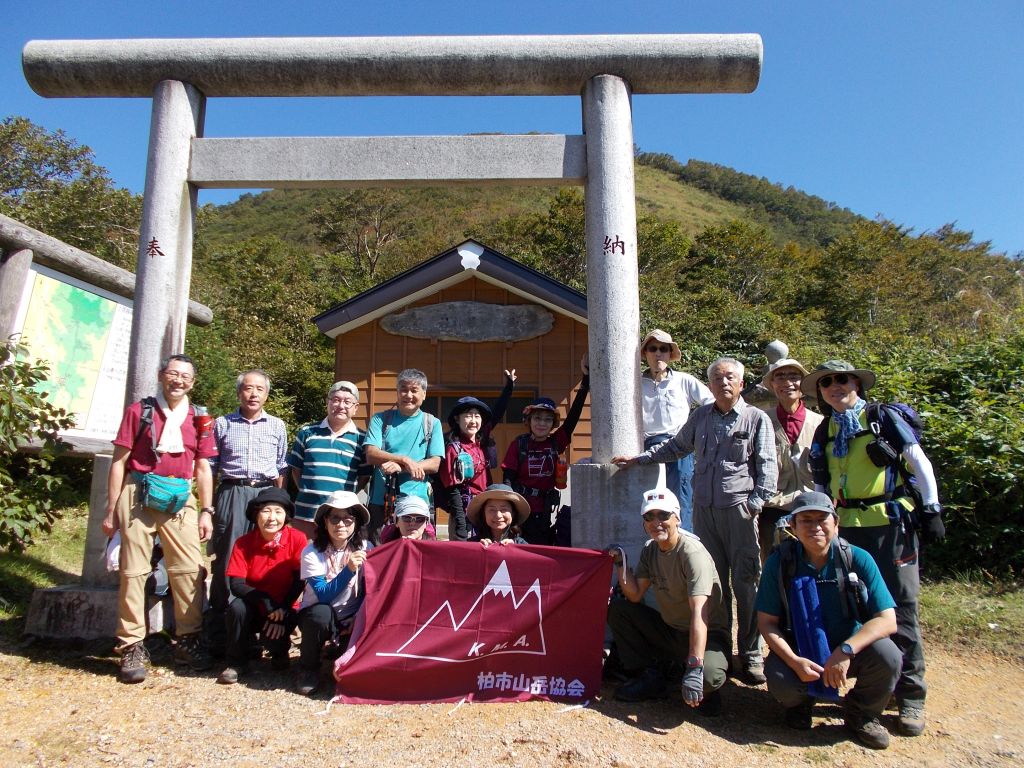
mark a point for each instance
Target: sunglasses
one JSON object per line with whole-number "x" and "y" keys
{"x": 840, "y": 378}
{"x": 661, "y": 515}
{"x": 414, "y": 519}
{"x": 655, "y": 348}
{"x": 338, "y": 520}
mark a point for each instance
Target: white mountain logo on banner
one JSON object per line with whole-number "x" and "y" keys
{"x": 497, "y": 623}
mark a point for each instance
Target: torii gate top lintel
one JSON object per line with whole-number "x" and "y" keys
{"x": 500, "y": 65}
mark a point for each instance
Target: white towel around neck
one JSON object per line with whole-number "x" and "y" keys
{"x": 170, "y": 438}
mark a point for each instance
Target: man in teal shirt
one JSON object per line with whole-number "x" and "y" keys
{"x": 857, "y": 635}
{"x": 406, "y": 441}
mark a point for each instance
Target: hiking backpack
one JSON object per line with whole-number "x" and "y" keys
{"x": 880, "y": 450}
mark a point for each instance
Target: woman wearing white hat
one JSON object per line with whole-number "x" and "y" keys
{"x": 666, "y": 397}
{"x": 334, "y": 591}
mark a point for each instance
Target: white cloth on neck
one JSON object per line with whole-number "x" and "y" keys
{"x": 170, "y": 438}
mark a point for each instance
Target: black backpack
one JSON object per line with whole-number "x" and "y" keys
{"x": 853, "y": 591}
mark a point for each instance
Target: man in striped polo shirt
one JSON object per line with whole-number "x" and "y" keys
{"x": 252, "y": 446}
{"x": 328, "y": 456}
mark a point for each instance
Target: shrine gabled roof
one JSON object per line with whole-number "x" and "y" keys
{"x": 465, "y": 261}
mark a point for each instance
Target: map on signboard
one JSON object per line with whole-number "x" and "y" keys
{"x": 82, "y": 333}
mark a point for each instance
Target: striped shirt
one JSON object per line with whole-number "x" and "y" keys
{"x": 250, "y": 450}
{"x": 326, "y": 463}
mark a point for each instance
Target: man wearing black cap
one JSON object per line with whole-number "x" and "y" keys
{"x": 857, "y": 623}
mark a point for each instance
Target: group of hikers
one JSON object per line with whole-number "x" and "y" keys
{"x": 744, "y": 488}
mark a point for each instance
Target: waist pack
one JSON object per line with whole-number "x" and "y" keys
{"x": 164, "y": 494}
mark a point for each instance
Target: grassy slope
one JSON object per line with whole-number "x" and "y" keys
{"x": 956, "y": 614}
{"x": 452, "y": 212}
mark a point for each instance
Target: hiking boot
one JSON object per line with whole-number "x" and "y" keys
{"x": 712, "y": 704}
{"x": 279, "y": 661}
{"x": 307, "y": 682}
{"x": 230, "y": 675}
{"x": 753, "y": 674}
{"x": 799, "y": 717}
{"x": 134, "y": 659}
{"x": 911, "y": 720}
{"x": 190, "y": 651}
{"x": 649, "y": 684}
{"x": 867, "y": 731}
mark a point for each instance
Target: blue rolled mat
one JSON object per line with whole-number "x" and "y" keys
{"x": 809, "y": 630}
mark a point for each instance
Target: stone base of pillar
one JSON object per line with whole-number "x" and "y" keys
{"x": 87, "y": 613}
{"x": 606, "y": 506}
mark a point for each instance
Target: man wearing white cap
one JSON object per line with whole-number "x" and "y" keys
{"x": 688, "y": 629}
{"x": 327, "y": 457}
{"x": 794, "y": 430}
{"x": 666, "y": 397}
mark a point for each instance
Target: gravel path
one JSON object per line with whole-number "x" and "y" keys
{"x": 67, "y": 709}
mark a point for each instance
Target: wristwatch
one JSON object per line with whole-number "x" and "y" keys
{"x": 933, "y": 508}
{"x": 694, "y": 661}
{"x": 847, "y": 649}
{"x": 211, "y": 510}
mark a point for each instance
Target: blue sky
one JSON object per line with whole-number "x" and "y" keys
{"x": 909, "y": 110}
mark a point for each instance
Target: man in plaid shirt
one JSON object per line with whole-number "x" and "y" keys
{"x": 252, "y": 447}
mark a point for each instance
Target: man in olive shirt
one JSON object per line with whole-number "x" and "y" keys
{"x": 689, "y": 628}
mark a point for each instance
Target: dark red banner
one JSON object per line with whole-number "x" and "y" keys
{"x": 443, "y": 621}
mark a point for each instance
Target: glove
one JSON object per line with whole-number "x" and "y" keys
{"x": 693, "y": 685}
{"x": 932, "y": 529}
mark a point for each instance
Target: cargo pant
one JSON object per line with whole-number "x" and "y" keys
{"x": 179, "y": 538}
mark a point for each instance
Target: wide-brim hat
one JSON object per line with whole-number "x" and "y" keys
{"x": 786, "y": 362}
{"x": 344, "y": 500}
{"x": 659, "y": 335}
{"x": 501, "y": 492}
{"x": 269, "y": 496}
{"x": 542, "y": 404}
{"x": 809, "y": 386}
{"x": 464, "y": 404}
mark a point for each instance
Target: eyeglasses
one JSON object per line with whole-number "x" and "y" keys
{"x": 341, "y": 520}
{"x": 660, "y": 515}
{"x": 840, "y": 378}
{"x": 788, "y": 376}
{"x": 179, "y": 376}
{"x": 414, "y": 519}
{"x": 655, "y": 348}
{"x": 348, "y": 402}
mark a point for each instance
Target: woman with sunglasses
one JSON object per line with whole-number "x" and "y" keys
{"x": 412, "y": 516}
{"x": 334, "y": 589}
{"x": 666, "y": 397}
{"x": 863, "y": 471}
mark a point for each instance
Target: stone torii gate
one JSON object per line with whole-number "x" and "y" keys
{"x": 605, "y": 70}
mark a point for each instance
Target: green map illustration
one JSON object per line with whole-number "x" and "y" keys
{"x": 68, "y": 328}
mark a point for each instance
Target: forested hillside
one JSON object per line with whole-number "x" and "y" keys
{"x": 727, "y": 263}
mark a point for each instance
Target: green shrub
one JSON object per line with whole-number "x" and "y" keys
{"x": 28, "y": 482}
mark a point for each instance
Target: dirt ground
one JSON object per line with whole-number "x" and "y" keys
{"x": 66, "y": 708}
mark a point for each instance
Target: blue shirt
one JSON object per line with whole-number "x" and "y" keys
{"x": 838, "y": 628}
{"x": 406, "y": 436}
{"x": 326, "y": 463}
{"x": 250, "y": 450}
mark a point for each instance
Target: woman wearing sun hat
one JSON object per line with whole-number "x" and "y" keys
{"x": 334, "y": 591}
{"x": 666, "y": 397}
{"x": 874, "y": 506}
{"x": 498, "y": 514}
{"x": 470, "y": 455}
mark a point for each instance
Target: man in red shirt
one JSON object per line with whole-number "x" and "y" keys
{"x": 159, "y": 435}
